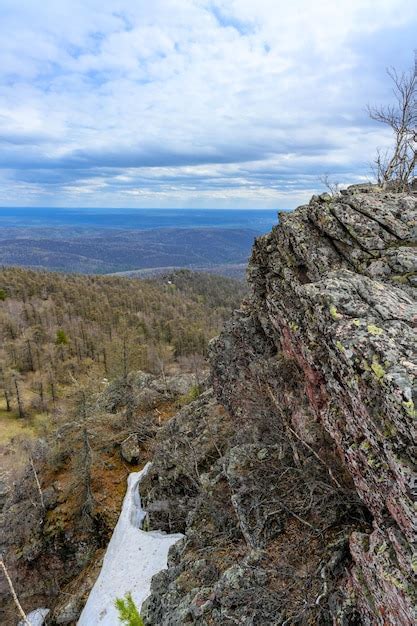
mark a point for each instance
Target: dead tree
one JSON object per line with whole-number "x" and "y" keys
{"x": 13, "y": 592}
{"x": 332, "y": 186}
{"x": 19, "y": 399}
{"x": 397, "y": 168}
{"x": 86, "y": 457}
{"x": 88, "y": 505}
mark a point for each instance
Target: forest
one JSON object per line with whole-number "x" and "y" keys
{"x": 90, "y": 368}
{"x": 56, "y": 329}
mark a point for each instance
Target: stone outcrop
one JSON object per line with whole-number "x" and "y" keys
{"x": 295, "y": 484}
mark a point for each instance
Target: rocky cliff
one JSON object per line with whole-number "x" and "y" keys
{"x": 293, "y": 479}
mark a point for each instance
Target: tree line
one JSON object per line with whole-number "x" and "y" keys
{"x": 57, "y": 328}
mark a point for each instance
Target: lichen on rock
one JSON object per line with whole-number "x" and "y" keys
{"x": 295, "y": 483}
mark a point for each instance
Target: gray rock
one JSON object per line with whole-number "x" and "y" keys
{"x": 130, "y": 449}
{"x": 295, "y": 483}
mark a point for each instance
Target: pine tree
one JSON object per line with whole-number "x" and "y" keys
{"x": 128, "y": 613}
{"x": 61, "y": 338}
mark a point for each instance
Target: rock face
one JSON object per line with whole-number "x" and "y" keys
{"x": 295, "y": 484}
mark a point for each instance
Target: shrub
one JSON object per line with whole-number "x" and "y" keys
{"x": 128, "y": 613}
{"x": 61, "y": 338}
{"x": 190, "y": 396}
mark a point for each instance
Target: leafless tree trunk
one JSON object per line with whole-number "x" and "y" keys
{"x": 398, "y": 167}
{"x": 19, "y": 399}
{"x": 88, "y": 494}
{"x": 7, "y": 398}
{"x": 331, "y": 185}
{"x": 106, "y": 369}
{"x": 52, "y": 388}
{"x": 37, "y": 482}
{"x": 13, "y": 592}
{"x": 125, "y": 359}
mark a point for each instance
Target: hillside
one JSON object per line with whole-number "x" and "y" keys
{"x": 87, "y": 362}
{"x": 105, "y": 251}
{"x": 290, "y": 471}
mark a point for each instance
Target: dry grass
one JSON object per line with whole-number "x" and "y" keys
{"x": 11, "y": 426}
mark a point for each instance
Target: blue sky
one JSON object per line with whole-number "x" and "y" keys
{"x": 192, "y": 103}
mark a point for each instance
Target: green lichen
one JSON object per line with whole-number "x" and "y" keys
{"x": 333, "y": 312}
{"x": 374, "y": 330}
{"x": 373, "y": 462}
{"x": 403, "y": 279}
{"x": 357, "y": 322}
{"x": 389, "y": 430}
{"x": 382, "y": 548}
{"x": 394, "y": 581}
{"x": 365, "y": 446}
{"x": 378, "y": 370}
{"x": 340, "y": 346}
{"x": 293, "y": 326}
{"x": 410, "y": 408}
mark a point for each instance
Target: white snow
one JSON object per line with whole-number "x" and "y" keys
{"x": 132, "y": 557}
{"x": 36, "y": 617}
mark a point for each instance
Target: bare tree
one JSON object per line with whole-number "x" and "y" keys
{"x": 332, "y": 185}
{"x": 13, "y": 592}
{"x": 397, "y": 168}
{"x": 22, "y": 413}
{"x": 38, "y": 484}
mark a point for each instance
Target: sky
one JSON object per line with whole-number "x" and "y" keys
{"x": 192, "y": 103}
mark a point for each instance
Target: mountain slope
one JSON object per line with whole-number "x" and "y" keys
{"x": 108, "y": 251}
{"x": 294, "y": 484}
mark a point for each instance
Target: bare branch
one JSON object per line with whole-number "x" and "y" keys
{"x": 398, "y": 168}
{"x": 14, "y": 594}
{"x": 37, "y": 482}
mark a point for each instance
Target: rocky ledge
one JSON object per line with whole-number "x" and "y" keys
{"x": 294, "y": 480}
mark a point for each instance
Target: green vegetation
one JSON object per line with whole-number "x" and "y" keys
{"x": 192, "y": 395}
{"x": 57, "y": 330}
{"x": 61, "y": 338}
{"x": 88, "y": 363}
{"x": 410, "y": 408}
{"x": 374, "y": 330}
{"x": 128, "y": 613}
{"x": 378, "y": 370}
{"x": 333, "y": 312}
{"x": 2, "y": 294}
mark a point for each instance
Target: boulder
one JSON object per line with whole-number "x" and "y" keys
{"x": 130, "y": 449}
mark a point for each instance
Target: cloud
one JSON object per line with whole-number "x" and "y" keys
{"x": 191, "y": 102}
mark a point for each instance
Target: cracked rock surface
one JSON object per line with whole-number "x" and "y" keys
{"x": 294, "y": 479}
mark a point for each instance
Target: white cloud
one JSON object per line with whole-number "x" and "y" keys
{"x": 234, "y": 103}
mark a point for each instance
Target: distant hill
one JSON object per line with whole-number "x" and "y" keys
{"x": 104, "y": 251}
{"x": 231, "y": 270}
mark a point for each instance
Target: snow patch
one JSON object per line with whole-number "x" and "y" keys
{"x": 132, "y": 558}
{"x": 36, "y": 617}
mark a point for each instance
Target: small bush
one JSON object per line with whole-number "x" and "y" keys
{"x": 128, "y": 613}
{"x": 61, "y": 338}
{"x": 190, "y": 396}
